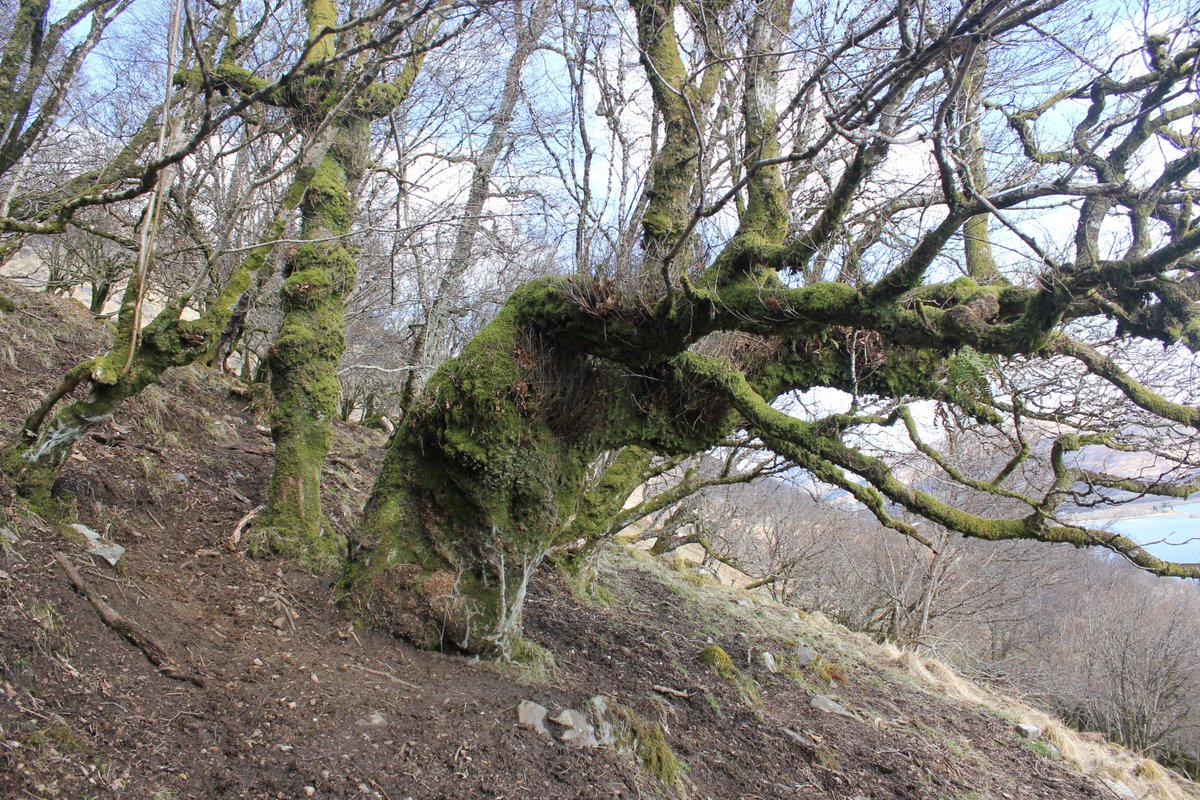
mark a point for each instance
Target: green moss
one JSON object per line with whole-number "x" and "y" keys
{"x": 826, "y": 672}
{"x": 60, "y": 737}
{"x": 323, "y": 554}
{"x": 328, "y": 202}
{"x": 321, "y": 15}
{"x": 657, "y": 757}
{"x": 715, "y": 657}
{"x": 308, "y": 287}
{"x": 648, "y": 743}
{"x": 304, "y": 358}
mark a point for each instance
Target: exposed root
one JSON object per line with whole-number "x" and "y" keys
{"x": 154, "y": 652}
{"x": 235, "y": 538}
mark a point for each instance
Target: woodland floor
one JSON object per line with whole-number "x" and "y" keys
{"x": 297, "y": 702}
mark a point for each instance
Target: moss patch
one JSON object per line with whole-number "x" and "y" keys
{"x": 648, "y": 743}
{"x": 714, "y": 656}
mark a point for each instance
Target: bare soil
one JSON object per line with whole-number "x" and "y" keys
{"x": 296, "y": 701}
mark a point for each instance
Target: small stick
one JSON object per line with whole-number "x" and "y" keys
{"x": 379, "y": 789}
{"x": 387, "y": 675}
{"x": 154, "y": 652}
{"x": 672, "y": 692}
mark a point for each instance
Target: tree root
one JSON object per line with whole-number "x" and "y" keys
{"x": 235, "y": 538}
{"x": 155, "y": 653}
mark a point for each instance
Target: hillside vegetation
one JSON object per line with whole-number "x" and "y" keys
{"x": 264, "y": 687}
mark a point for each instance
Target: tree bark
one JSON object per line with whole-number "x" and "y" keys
{"x": 486, "y": 474}
{"x": 305, "y": 353}
{"x": 304, "y": 356}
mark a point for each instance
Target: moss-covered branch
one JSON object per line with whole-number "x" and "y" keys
{"x": 1140, "y": 394}
{"x": 803, "y": 441}
{"x": 134, "y": 363}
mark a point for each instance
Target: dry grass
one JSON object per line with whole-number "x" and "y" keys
{"x": 1090, "y": 753}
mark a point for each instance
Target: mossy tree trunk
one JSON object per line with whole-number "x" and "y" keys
{"x": 485, "y": 475}
{"x": 305, "y": 353}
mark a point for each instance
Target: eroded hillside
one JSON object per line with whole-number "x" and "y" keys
{"x": 269, "y": 691}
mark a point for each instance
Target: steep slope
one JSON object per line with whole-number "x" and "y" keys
{"x": 269, "y": 691}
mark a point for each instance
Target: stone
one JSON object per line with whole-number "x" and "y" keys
{"x": 372, "y": 720}
{"x": 597, "y": 709}
{"x": 1029, "y": 731}
{"x": 805, "y": 655}
{"x": 180, "y": 478}
{"x": 533, "y": 715}
{"x": 99, "y": 546}
{"x": 1119, "y": 789}
{"x": 8, "y": 537}
{"x": 822, "y": 703}
{"x": 579, "y": 731}
{"x": 768, "y": 661}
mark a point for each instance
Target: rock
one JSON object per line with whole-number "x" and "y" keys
{"x": 1119, "y": 789}
{"x": 372, "y": 720}
{"x": 579, "y": 731}
{"x": 597, "y": 709}
{"x": 805, "y": 655}
{"x": 768, "y": 661}
{"x": 533, "y": 715}
{"x": 3, "y": 575}
{"x": 99, "y": 546}
{"x": 1029, "y": 731}
{"x": 8, "y": 537}
{"x": 822, "y": 703}
{"x": 180, "y": 478}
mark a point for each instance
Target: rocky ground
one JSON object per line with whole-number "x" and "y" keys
{"x": 664, "y": 684}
